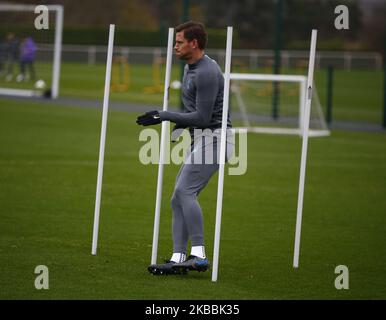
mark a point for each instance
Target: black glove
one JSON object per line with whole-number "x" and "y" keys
{"x": 149, "y": 118}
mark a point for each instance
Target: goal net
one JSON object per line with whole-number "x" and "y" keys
{"x": 253, "y": 106}
{"x": 30, "y": 56}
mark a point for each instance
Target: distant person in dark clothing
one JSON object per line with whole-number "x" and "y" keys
{"x": 27, "y": 58}
{"x": 11, "y": 54}
{"x": 3, "y": 57}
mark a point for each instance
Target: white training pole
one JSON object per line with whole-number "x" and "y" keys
{"x": 57, "y": 51}
{"x": 103, "y": 139}
{"x": 306, "y": 123}
{"x": 220, "y": 187}
{"x": 302, "y": 98}
{"x": 162, "y": 148}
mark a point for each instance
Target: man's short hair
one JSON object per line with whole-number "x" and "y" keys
{"x": 194, "y": 30}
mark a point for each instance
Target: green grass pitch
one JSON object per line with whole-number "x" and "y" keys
{"x": 48, "y": 170}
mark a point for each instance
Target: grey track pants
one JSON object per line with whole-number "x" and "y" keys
{"x": 200, "y": 164}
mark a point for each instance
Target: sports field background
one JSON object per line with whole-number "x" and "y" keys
{"x": 48, "y": 170}
{"x": 357, "y": 94}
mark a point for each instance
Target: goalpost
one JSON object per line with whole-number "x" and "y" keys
{"x": 307, "y": 96}
{"x": 292, "y": 123}
{"x": 27, "y": 13}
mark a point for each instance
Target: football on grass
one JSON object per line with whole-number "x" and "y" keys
{"x": 40, "y": 84}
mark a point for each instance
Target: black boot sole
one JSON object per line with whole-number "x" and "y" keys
{"x": 162, "y": 272}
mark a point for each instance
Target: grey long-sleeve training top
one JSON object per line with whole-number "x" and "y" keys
{"x": 202, "y": 96}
